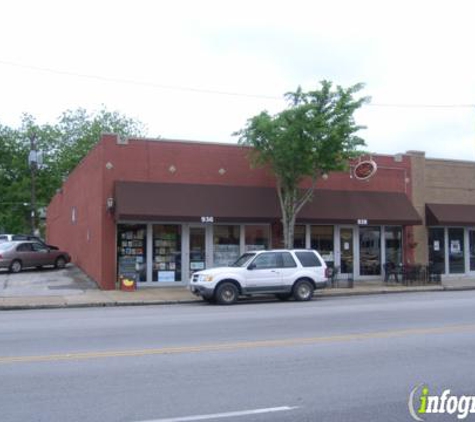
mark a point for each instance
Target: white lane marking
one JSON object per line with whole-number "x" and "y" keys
{"x": 225, "y": 415}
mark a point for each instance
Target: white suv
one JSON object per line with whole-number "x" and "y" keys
{"x": 285, "y": 273}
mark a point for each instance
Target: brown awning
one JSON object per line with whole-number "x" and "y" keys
{"x": 450, "y": 215}
{"x": 186, "y": 202}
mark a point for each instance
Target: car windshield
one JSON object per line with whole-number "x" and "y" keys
{"x": 243, "y": 260}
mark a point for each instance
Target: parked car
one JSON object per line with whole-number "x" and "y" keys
{"x": 285, "y": 273}
{"x": 17, "y": 255}
{"x": 12, "y": 237}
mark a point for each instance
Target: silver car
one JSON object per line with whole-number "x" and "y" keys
{"x": 23, "y": 254}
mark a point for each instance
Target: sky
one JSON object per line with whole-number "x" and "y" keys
{"x": 197, "y": 70}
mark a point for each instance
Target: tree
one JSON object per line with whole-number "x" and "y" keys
{"x": 314, "y": 135}
{"x": 63, "y": 145}
{"x": 80, "y": 131}
{"x": 13, "y": 182}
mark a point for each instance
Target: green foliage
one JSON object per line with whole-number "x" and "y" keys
{"x": 63, "y": 144}
{"x": 13, "y": 168}
{"x": 314, "y": 135}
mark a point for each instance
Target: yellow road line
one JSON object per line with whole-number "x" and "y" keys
{"x": 238, "y": 345}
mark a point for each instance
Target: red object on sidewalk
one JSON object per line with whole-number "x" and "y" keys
{"x": 127, "y": 284}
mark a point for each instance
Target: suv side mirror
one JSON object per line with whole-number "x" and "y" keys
{"x": 251, "y": 266}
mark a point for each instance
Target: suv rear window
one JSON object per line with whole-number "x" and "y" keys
{"x": 288, "y": 260}
{"x": 308, "y": 259}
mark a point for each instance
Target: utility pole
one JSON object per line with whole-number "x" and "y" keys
{"x": 33, "y": 162}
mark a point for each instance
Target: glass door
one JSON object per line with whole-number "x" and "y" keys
{"x": 370, "y": 250}
{"x": 197, "y": 249}
{"x": 456, "y": 251}
{"x": 471, "y": 242}
{"x": 132, "y": 253}
{"x": 347, "y": 257}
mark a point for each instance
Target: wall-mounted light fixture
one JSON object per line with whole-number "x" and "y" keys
{"x": 110, "y": 204}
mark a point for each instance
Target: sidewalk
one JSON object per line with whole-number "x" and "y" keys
{"x": 71, "y": 288}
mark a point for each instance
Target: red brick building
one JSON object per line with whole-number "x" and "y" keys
{"x": 166, "y": 208}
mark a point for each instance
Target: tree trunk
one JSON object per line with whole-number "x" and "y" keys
{"x": 291, "y": 202}
{"x": 288, "y": 201}
{"x": 288, "y": 227}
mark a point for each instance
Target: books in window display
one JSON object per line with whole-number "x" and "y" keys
{"x": 129, "y": 235}
{"x": 164, "y": 241}
{"x": 164, "y": 266}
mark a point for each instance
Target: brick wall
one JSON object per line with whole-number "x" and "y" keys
{"x": 92, "y": 238}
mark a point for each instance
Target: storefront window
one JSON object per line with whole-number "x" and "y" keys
{"x": 456, "y": 251}
{"x": 437, "y": 249}
{"x": 166, "y": 253}
{"x": 471, "y": 238}
{"x": 225, "y": 245}
{"x": 321, "y": 239}
{"x": 346, "y": 251}
{"x": 299, "y": 237}
{"x": 370, "y": 250}
{"x": 131, "y": 251}
{"x": 197, "y": 249}
{"x": 257, "y": 237}
{"x": 393, "y": 243}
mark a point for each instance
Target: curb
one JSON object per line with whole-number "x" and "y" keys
{"x": 191, "y": 301}
{"x": 27, "y": 307}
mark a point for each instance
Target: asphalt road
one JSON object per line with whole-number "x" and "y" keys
{"x": 332, "y": 359}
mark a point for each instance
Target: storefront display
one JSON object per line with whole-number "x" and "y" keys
{"x": 393, "y": 245}
{"x": 321, "y": 239}
{"x": 456, "y": 251}
{"x": 219, "y": 245}
{"x": 471, "y": 245}
{"x": 300, "y": 237}
{"x": 346, "y": 251}
{"x": 131, "y": 250}
{"x": 370, "y": 250}
{"x": 226, "y": 245}
{"x": 257, "y": 237}
{"x": 166, "y": 253}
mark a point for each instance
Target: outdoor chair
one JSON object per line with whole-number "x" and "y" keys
{"x": 390, "y": 269}
{"x": 333, "y": 276}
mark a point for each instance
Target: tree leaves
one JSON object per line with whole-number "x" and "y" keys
{"x": 315, "y": 134}
{"x": 64, "y": 144}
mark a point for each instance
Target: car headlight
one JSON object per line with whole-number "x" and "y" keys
{"x": 205, "y": 277}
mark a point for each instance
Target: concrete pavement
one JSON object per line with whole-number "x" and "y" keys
{"x": 338, "y": 359}
{"x": 72, "y": 288}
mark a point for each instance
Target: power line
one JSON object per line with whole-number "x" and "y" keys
{"x": 140, "y": 83}
{"x": 421, "y": 105}
{"x": 210, "y": 91}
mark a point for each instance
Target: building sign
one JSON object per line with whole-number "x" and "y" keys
{"x": 362, "y": 222}
{"x": 365, "y": 169}
{"x": 127, "y": 269}
{"x": 455, "y": 246}
{"x": 197, "y": 266}
{"x": 207, "y": 219}
{"x": 166, "y": 276}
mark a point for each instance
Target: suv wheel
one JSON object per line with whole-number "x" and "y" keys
{"x": 226, "y": 294}
{"x": 303, "y": 290}
{"x": 16, "y": 266}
